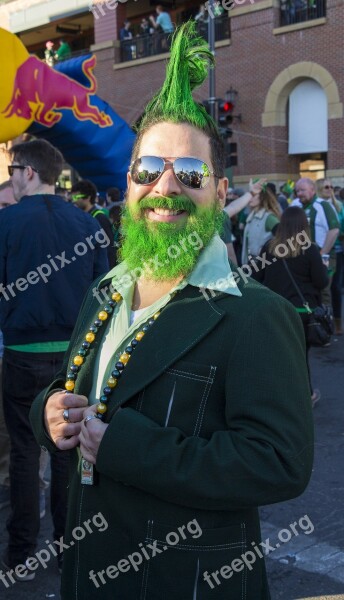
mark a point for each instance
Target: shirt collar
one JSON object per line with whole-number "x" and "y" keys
{"x": 212, "y": 271}
{"x": 311, "y": 202}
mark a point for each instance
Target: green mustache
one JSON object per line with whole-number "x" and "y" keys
{"x": 182, "y": 203}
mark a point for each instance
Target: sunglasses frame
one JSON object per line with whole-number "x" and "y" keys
{"x": 77, "y": 196}
{"x": 10, "y": 168}
{"x": 171, "y": 162}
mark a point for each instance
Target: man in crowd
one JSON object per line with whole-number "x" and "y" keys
{"x": 49, "y": 255}
{"x": 113, "y": 194}
{"x": 6, "y": 199}
{"x": 323, "y": 222}
{"x": 84, "y": 195}
{"x": 282, "y": 198}
{"x": 6, "y": 194}
{"x": 192, "y": 406}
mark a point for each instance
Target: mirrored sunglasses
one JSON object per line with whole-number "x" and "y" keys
{"x": 191, "y": 172}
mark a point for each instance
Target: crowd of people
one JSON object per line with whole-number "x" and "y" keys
{"x": 153, "y": 33}
{"x": 316, "y": 263}
{"x": 142, "y": 373}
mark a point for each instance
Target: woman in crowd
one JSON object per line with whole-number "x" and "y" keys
{"x": 292, "y": 246}
{"x": 261, "y": 223}
{"x": 326, "y": 192}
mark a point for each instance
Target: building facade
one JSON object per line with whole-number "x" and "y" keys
{"x": 283, "y": 58}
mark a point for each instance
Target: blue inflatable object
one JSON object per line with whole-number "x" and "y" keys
{"x": 93, "y": 139}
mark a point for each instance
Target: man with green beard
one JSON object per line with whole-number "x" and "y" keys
{"x": 185, "y": 391}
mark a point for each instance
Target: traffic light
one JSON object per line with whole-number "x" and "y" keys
{"x": 231, "y": 155}
{"x": 225, "y": 117}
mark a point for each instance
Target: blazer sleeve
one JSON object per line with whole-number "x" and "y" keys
{"x": 265, "y": 454}
{"x": 38, "y": 405}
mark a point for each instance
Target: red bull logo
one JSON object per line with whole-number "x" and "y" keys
{"x": 40, "y": 93}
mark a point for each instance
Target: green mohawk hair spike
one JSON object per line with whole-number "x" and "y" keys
{"x": 187, "y": 69}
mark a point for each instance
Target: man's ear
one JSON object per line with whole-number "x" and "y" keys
{"x": 221, "y": 191}
{"x": 31, "y": 172}
{"x": 128, "y": 180}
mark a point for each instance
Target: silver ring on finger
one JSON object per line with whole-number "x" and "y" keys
{"x": 89, "y": 418}
{"x": 65, "y": 415}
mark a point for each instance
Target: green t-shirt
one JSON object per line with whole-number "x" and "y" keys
{"x": 270, "y": 222}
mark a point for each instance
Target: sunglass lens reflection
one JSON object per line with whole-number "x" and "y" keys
{"x": 191, "y": 172}
{"x": 147, "y": 169}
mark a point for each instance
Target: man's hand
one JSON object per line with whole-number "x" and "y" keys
{"x": 91, "y": 435}
{"x": 240, "y": 203}
{"x": 330, "y": 239}
{"x": 64, "y": 435}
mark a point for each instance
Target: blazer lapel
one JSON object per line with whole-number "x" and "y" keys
{"x": 183, "y": 323}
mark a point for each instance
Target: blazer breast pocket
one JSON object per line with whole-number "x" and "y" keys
{"x": 178, "y": 397}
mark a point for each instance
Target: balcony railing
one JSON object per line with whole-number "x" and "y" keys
{"x": 142, "y": 46}
{"x": 298, "y": 11}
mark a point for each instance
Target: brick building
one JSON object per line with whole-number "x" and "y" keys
{"x": 283, "y": 57}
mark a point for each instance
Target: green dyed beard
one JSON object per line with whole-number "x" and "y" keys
{"x": 166, "y": 251}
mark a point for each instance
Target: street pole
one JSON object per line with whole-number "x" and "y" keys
{"x": 211, "y": 40}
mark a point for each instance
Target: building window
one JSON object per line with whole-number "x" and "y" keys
{"x": 298, "y": 11}
{"x": 308, "y": 118}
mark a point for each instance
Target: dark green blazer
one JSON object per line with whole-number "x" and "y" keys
{"x": 215, "y": 420}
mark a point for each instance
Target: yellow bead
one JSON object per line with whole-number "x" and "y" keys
{"x": 101, "y": 408}
{"x": 139, "y": 336}
{"x": 69, "y": 385}
{"x": 78, "y": 360}
{"x": 156, "y": 316}
{"x": 116, "y": 297}
{"x": 90, "y": 337}
{"x": 102, "y": 315}
{"x": 111, "y": 382}
{"x": 124, "y": 358}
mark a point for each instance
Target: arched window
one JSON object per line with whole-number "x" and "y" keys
{"x": 308, "y": 131}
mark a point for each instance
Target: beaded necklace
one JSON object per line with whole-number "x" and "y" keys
{"x": 124, "y": 358}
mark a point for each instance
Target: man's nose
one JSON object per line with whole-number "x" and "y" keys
{"x": 167, "y": 184}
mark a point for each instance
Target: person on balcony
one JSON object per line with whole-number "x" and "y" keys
{"x": 49, "y": 54}
{"x": 145, "y": 27}
{"x": 162, "y": 24}
{"x": 202, "y": 19}
{"x": 163, "y": 20}
{"x": 202, "y": 15}
{"x": 124, "y": 35}
{"x": 294, "y": 11}
{"x": 64, "y": 51}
